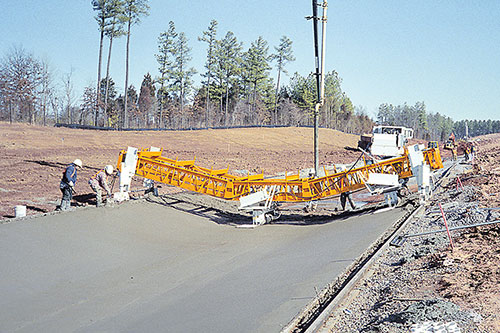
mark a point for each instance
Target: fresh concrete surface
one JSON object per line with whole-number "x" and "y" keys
{"x": 144, "y": 267}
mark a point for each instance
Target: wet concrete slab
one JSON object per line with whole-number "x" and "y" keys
{"x": 150, "y": 268}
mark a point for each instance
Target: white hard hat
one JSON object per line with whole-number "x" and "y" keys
{"x": 108, "y": 169}
{"x": 78, "y": 162}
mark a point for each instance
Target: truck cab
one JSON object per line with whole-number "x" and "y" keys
{"x": 389, "y": 141}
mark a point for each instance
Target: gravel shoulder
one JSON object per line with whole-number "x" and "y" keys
{"x": 425, "y": 281}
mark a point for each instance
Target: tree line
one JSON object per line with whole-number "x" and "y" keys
{"x": 432, "y": 126}
{"x": 236, "y": 87}
{"x": 476, "y": 127}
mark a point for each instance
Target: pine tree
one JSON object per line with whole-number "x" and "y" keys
{"x": 228, "y": 54}
{"x": 166, "y": 60}
{"x": 210, "y": 37}
{"x": 256, "y": 67}
{"x": 283, "y": 55}
{"x": 182, "y": 82}
{"x": 114, "y": 9}
{"x": 146, "y": 102}
{"x": 132, "y": 99}
{"x": 108, "y": 89}
{"x": 132, "y": 11}
{"x": 102, "y": 18}
{"x": 89, "y": 104}
{"x": 335, "y": 102}
{"x": 303, "y": 93}
{"x": 421, "y": 118}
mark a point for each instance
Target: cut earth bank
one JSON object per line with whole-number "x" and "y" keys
{"x": 34, "y": 157}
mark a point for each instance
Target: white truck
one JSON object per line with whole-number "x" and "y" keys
{"x": 386, "y": 141}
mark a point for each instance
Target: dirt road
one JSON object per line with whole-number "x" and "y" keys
{"x": 144, "y": 267}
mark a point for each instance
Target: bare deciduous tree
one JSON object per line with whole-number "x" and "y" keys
{"x": 69, "y": 95}
{"x": 21, "y": 77}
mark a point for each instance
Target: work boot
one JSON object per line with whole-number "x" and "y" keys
{"x": 64, "y": 205}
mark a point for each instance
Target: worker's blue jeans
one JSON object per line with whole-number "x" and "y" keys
{"x": 66, "y": 191}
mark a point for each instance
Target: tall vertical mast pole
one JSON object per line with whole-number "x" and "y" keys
{"x": 315, "y": 19}
{"x": 320, "y": 77}
{"x": 318, "y": 85}
{"x": 323, "y": 51}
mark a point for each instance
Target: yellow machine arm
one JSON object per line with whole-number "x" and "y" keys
{"x": 219, "y": 183}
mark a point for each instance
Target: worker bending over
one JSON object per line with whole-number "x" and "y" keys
{"x": 67, "y": 184}
{"x": 99, "y": 182}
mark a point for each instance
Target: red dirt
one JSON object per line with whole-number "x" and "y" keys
{"x": 474, "y": 282}
{"x": 478, "y": 283}
{"x": 486, "y": 173}
{"x": 34, "y": 157}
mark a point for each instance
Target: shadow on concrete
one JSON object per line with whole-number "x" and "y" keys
{"x": 304, "y": 219}
{"x": 85, "y": 199}
{"x": 295, "y": 218}
{"x": 216, "y": 215}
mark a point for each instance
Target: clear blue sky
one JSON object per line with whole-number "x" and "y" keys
{"x": 445, "y": 53}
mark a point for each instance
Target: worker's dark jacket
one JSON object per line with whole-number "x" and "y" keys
{"x": 68, "y": 175}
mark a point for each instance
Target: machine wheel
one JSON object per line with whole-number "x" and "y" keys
{"x": 403, "y": 192}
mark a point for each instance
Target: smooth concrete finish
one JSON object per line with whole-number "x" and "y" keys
{"x": 144, "y": 267}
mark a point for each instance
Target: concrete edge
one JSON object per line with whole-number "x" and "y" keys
{"x": 321, "y": 320}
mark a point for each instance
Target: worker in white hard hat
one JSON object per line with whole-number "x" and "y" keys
{"x": 67, "y": 184}
{"x": 99, "y": 182}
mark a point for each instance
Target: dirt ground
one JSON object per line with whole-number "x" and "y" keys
{"x": 425, "y": 280}
{"x": 485, "y": 175}
{"x": 34, "y": 157}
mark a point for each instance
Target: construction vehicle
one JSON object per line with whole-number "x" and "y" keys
{"x": 259, "y": 195}
{"x": 386, "y": 141}
{"x": 365, "y": 142}
{"x": 450, "y": 143}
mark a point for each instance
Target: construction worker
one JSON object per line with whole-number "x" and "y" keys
{"x": 99, "y": 182}
{"x": 454, "y": 151}
{"x": 67, "y": 184}
{"x": 344, "y": 198}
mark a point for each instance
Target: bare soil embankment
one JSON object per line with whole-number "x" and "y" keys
{"x": 34, "y": 157}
